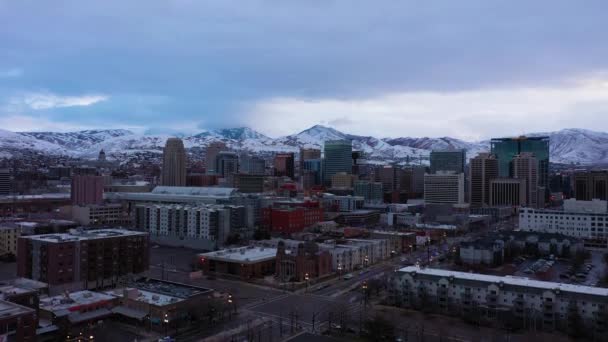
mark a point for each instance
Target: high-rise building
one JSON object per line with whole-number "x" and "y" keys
{"x": 249, "y": 183}
{"x": 226, "y": 164}
{"x": 211, "y": 153}
{"x": 505, "y": 149}
{"x": 342, "y": 180}
{"x": 483, "y": 168}
{"x": 87, "y": 190}
{"x": 372, "y": 192}
{"x": 525, "y": 166}
{"x": 507, "y": 192}
{"x": 174, "y": 163}
{"x": 591, "y": 185}
{"x": 284, "y": 165}
{"x": 315, "y": 167}
{"x": 252, "y": 165}
{"x": 412, "y": 180}
{"x": 444, "y": 187}
{"x": 83, "y": 259}
{"x": 308, "y": 154}
{"x": 5, "y": 181}
{"x": 448, "y": 160}
{"x": 390, "y": 177}
{"x": 337, "y": 158}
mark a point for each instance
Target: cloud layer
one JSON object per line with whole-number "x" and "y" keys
{"x": 399, "y": 67}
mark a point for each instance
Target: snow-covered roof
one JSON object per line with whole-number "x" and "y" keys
{"x": 249, "y": 254}
{"x": 195, "y": 191}
{"x": 145, "y": 296}
{"x": 515, "y": 281}
{"x": 74, "y": 235}
{"x": 73, "y": 300}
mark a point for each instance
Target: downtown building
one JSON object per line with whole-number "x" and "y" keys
{"x": 444, "y": 187}
{"x": 83, "y": 259}
{"x": 525, "y": 166}
{"x": 506, "y": 149}
{"x": 284, "y": 165}
{"x": 5, "y": 182}
{"x": 87, "y": 190}
{"x": 211, "y": 152}
{"x": 591, "y": 185}
{"x": 483, "y": 169}
{"x": 195, "y": 226}
{"x": 370, "y": 191}
{"x": 337, "y": 158}
{"x": 448, "y": 160}
{"x": 174, "y": 163}
{"x": 584, "y": 220}
{"x": 507, "y": 301}
{"x": 507, "y": 192}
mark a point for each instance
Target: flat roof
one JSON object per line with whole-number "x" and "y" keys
{"x": 12, "y": 309}
{"x": 249, "y": 254}
{"x": 516, "y": 281}
{"x": 145, "y": 296}
{"x": 82, "y": 235}
{"x": 169, "y": 288}
{"x": 71, "y": 300}
{"x": 390, "y": 232}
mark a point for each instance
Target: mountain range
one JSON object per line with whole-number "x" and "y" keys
{"x": 578, "y": 146}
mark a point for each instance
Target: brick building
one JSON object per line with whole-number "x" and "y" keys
{"x": 87, "y": 190}
{"x": 291, "y": 219}
{"x": 307, "y": 261}
{"x": 244, "y": 262}
{"x": 83, "y": 259}
{"x": 17, "y": 321}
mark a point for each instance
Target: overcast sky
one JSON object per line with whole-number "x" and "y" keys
{"x": 467, "y": 69}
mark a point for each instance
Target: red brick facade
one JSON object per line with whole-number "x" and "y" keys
{"x": 306, "y": 260}
{"x": 291, "y": 220}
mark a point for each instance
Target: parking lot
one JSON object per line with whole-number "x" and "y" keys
{"x": 562, "y": 270}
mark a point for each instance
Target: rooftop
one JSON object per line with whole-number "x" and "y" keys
{"x": 249, "y": 254}
{"x": 144, "y": 296}
{"x": 82, "y": 235}
{"x": 516, "y": 281}
{"x": 169, "y": 288}
{"x": 195, "y": 191}
{"x": 62, "y": 304}
{"x": 11, "y": 309}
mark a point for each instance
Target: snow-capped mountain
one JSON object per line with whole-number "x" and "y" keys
{"x": 567, "y": 146}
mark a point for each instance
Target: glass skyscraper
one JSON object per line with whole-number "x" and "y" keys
{"x": 337, "y": 157}
{"x": 507, "y": 148}
{"x": 448, "y": 160}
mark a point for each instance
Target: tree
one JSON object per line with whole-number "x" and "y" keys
{"x": 233, "y": 239}
{"x": 379, "y": 329}
{"x": 261, "y": 234}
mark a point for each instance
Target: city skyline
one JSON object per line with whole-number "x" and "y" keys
{"x": 469, "y": 70}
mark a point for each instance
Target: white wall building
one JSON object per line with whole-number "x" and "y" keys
{"x": 590, "y": 227}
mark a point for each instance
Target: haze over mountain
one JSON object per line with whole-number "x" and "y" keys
{"x": 577, "y": 146}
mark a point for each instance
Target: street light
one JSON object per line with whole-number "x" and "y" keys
{"x": 364, "y": 287}
{"x": 306, "y": 278}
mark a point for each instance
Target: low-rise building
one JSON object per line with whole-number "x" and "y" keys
{"x": 108, "y": 215}
{"x": 18, "y": 322}
{"x": 160, "y": 300}
{"x": 243, "y": 262}
{"x": 336, "y": 203}
{"x": 510, "y": 301}
{"x": 590, "y": 224}
{"x": 75, "y": 308}
{"x": 486, "y": 251}
{"x": 399, "y": 242}
{"x": 306, "y": 261}
{"x": 9, "y": 235}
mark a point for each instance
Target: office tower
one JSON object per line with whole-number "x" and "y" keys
{"x": 507, "y": 192}
{"x": 505, "y": 149}
{"x": 83, "y": 259}
{"x": 337, "y": 158}
{"x": 252, "y": 165}
{"x": 249, "y": 183}
{"x": 591, "y": 185}
{"x": 448, "y": 160}
{"x": 308, "y": 154}
{"x": 444, "y": 187}
{"x": 342, "y": 180}
{"x": 226, "y": 164}
{"x": 372, "y": 192}
{"x": 87, "y": 190}
{"x": 315, "y": 167}
{"x": 174, "y": 163}
{"x": 483, "y": 169}
{"x": 5, "y": 182}
{"x": 412, "y": 180}
{"x": 211, "y": 153}
{"x": 390, "y": 177}
{"x": 284, "y": 165}
{"x": 525, "y": 166}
